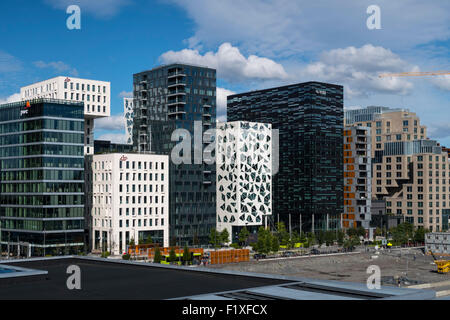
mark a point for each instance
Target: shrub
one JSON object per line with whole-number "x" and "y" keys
{"x": 126, "y": 256}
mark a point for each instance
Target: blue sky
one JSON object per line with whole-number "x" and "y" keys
{"x": 253, "y": 45}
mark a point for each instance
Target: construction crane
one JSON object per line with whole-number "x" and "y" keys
{"x": 414, "y": 74}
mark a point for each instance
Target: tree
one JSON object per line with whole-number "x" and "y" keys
{"x": 131, "y": 243}
{"x": 275, "y": 244}
{"x": 340, "y": 237}
{"x": 214, "y": 237}
{"x": 283, "y": 235}
{"x": 243, "y": 235}
{"x": 419, "y": 234}
{"x": 224, "y": 236}
{"x": 329, "y": 238}
{"x": 148, "y": 240}
{"x": 195, "y": 240}
{"x": 186, "y": 255}
{"x": 157, "y": 256}
{"x": 321, "y": 238}
{"x": 172, "y": 255}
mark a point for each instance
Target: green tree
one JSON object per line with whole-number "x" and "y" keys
{"x": 275, "y": 244}
{"x": 321, "y": 238}
{"x": 224, "y": 236}
{"x": 283, "y": 234}
{"x": 243, "y": 235}
{"x": 419, "y": 234}
{"x": 148, "y": 240}
{"x": 214, "y": 237}
{"x": 172, "y": 255}
{"x": 329, "y": 238}
{"x": 157, "y": 256}
{"x": 131, "y": 243}
{"x": 340, "y": 237}
{"x": 186, "y": 255}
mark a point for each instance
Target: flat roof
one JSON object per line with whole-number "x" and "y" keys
{"x": 119, "y": 279}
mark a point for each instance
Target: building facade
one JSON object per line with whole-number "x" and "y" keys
{"x": 180, "y": 100}
{"x": 96, "y": 96}
{"x": 244, "y": 175}
{"x": 358, "y": 177}
{"x": 309, "y": 186}
{"x": 410, "y": 172}
{"x": 130, "y": 200}
{"x": 42, "y": 176}
{"x": 438, "y": 243}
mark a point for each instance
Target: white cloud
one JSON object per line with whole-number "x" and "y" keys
{"x": 221, "y": 101}
{"x": 58, "y": 66}
{"x": 113, "y": 123}
{"x": 9, "y": 63}
{"x": 442, "y": 82}
{"x": 100, "y": 8}
{"x": 114, "y": 137}
{"x": 439, "y": 131}
{"x": 230, "y": 64}
{"x": 126, "y": 94}
{"x": 358, "y": 70}
{"x": 285, "y": 27}
{"x": 12, "y": 98}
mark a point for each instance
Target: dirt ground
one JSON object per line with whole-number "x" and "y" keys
{"x": 351, "y": 267}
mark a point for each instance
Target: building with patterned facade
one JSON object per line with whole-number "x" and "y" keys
{"x": 244, "y": 175}
{"x": 128, "y": 115}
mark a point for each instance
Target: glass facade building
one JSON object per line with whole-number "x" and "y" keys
{"x": 42, "y": 175}
{"x": 309, "y": 185}
{"x": 168, "y": 98}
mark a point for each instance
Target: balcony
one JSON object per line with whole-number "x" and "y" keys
{"x": 176, "y": 74}
{"x": 176, "y": 84}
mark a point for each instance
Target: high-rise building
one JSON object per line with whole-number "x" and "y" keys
{"x": 130, "y": 200}
{"x": 357, "y": 177}
{"x": 410, "y": 172}
{"x": 309, "y": 186}
{"x": 180, "y": 100}
{"x": 244, "y": 175}
{"x": 128, "y": 114}
{"x": 42, "y": 176}
{"x": 95, "y": 94}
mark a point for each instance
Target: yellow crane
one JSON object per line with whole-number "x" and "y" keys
{"x": 414, "y": 74}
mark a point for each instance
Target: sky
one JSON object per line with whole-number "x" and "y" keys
{"x": 253, "y": 44}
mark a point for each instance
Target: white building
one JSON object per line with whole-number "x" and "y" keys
{"x": 96, "y": 96}
{"x": 438, "y": 243}
{"x": 244, "y": 174}
{"x": 130, "y": 200}
{"x": 128, "y": 118}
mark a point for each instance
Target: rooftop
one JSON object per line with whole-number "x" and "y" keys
{"x": 118, "y": 279}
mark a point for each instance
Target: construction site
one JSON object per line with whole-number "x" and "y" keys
{"x": 399, "y": 267}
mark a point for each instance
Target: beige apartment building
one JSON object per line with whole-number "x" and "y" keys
{"x": 411, "y": 172}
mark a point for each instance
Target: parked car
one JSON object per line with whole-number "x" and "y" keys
{"x": 314, "y": 251}
{"x": 258, "y": 256}
{"x": 288, "y": 254}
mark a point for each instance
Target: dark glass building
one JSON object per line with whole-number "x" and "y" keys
{"x": 105, "y": 146}
{"x": 42, "y": 176}
{"x": 309, "y": 116}
{"x": 167, "y": 98}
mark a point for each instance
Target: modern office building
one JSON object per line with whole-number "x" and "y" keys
{"x": 130, "y": 200}
{"x": 95, "y": 94}
{"x": 438, "y": 243}
{"x": 106, "y": 146}
{"x": 180, "y": 100}
{"x": 357, "y": 177}
{"x": 244, "y": 175}
{"x": 128, "y": 113}
{"x": 410, "y": 172}
{"x": 42, "y": 176}
{"x": 309, "y": 186}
